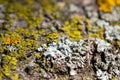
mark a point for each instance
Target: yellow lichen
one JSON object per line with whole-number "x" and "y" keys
{"x": 53, "y": 37}
{"x": 49, "y": 8}
{"x": 15, "y": 77}
{"x": 118, "y": 43}
{"x": 8, "y": 65}
{"x": 73, "y": 29}
{"x": 41, "y": 32}
{"x": 37, "y": 55}
{"x": 5, "y": 70}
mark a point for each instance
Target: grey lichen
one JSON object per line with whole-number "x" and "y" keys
{"x": 68, "y": 56}
{"x": 71, "y": 54}
{"x": 111, "y": 32}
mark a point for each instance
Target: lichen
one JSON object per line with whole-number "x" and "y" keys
{"x": 50, "y": 9}
{"x": 53, "y": 37}
{"x": 107, "y": 5}
{"x": 96, "y": 32}
{"x": 28, "y": 24}
{"x": 12, "y": 39}
{"x": 9, "y": 65}
{"x": 73, "y": 29}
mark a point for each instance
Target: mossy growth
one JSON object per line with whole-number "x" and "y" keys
{"x": 107, "y": 5}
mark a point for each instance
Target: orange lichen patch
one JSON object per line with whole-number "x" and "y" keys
{"x": 11, "y": 40}
{"x": 118, "y": 2}
{"x": 7, "y": 41}
{"x": 107, "y": 5}
{"x": 15, "y": 41}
